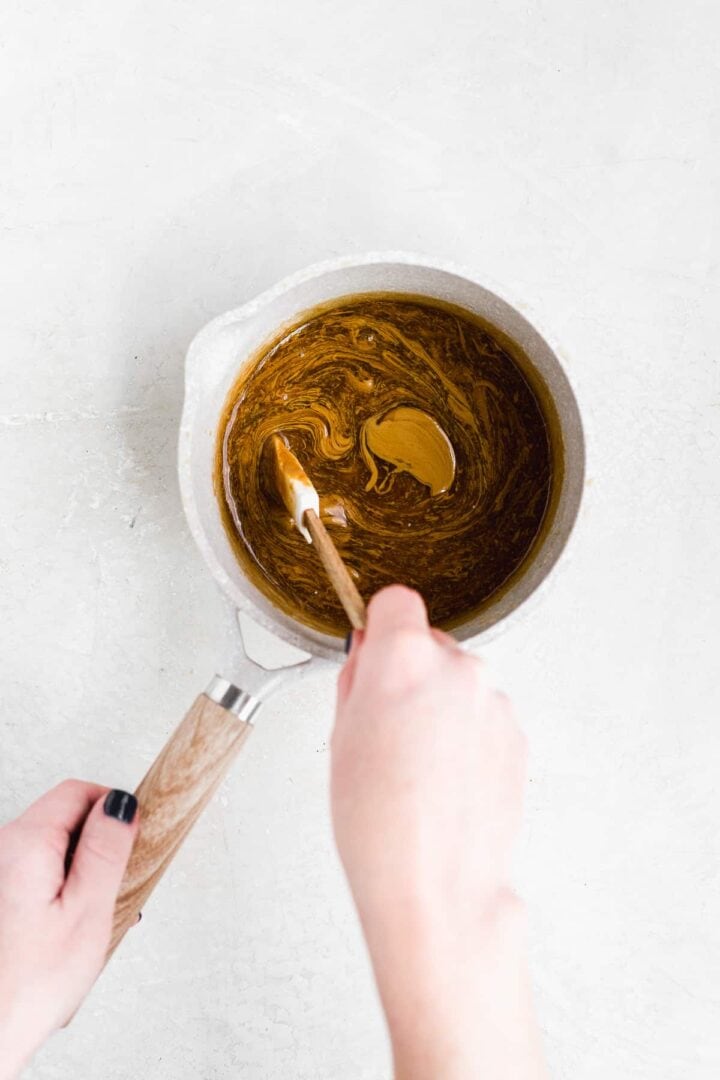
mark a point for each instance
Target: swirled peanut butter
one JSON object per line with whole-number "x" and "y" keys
{"x": 412, "y": 441}
{"x": 424, "y": 439}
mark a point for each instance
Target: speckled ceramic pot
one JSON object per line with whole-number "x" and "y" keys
{"x": 219, "y": 351}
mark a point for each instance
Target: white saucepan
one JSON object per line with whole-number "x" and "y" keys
{"x": 219, "y": 351}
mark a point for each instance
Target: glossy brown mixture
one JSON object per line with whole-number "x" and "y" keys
{"x": 426, "y": 444}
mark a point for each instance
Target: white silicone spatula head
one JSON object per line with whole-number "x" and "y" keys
{"x": 293, "y": 485}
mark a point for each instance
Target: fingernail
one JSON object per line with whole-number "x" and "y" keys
{"x": 120, "y": 805}
{"x": 348, "y": 642}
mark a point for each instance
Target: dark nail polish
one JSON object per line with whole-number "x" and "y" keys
{"x": 120, "y": 805}
{"x": 348, "y": 642}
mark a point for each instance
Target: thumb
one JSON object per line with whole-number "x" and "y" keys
{"x": 102, "y": 853}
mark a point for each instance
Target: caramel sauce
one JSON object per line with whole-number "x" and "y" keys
{"x": 424, "y": 439}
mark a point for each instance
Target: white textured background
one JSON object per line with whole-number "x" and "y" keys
{"x": 162, "y": 162}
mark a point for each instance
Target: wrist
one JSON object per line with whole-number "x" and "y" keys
{"x": 457, "y": 998}
{"x": 16, "y": 1046}
{"x": 418, "y": 944}
{"x": 13, "y": 1056}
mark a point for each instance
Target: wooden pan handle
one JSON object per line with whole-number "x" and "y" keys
{"x": 173, "y": 794}
{"x": 337, "y": 571}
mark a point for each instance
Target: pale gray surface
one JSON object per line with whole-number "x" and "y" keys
{"x": 166, "y": 162}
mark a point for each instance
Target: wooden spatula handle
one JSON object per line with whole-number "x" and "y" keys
{"x": 337, "y": 571}
{"x": 173, "y": 794}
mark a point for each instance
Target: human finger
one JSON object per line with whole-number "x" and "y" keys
{"x": 67, "y": 804}
{"x": 102, "y": 853}
{"x": 394, "y": 609}
{"x": 62, "y": 810}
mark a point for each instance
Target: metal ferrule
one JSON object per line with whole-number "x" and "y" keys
{"x": 239, "y": 702}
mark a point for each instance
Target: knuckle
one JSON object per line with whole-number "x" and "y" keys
{"x": 71, "y": 787}
{"x": 68, "y": 786}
